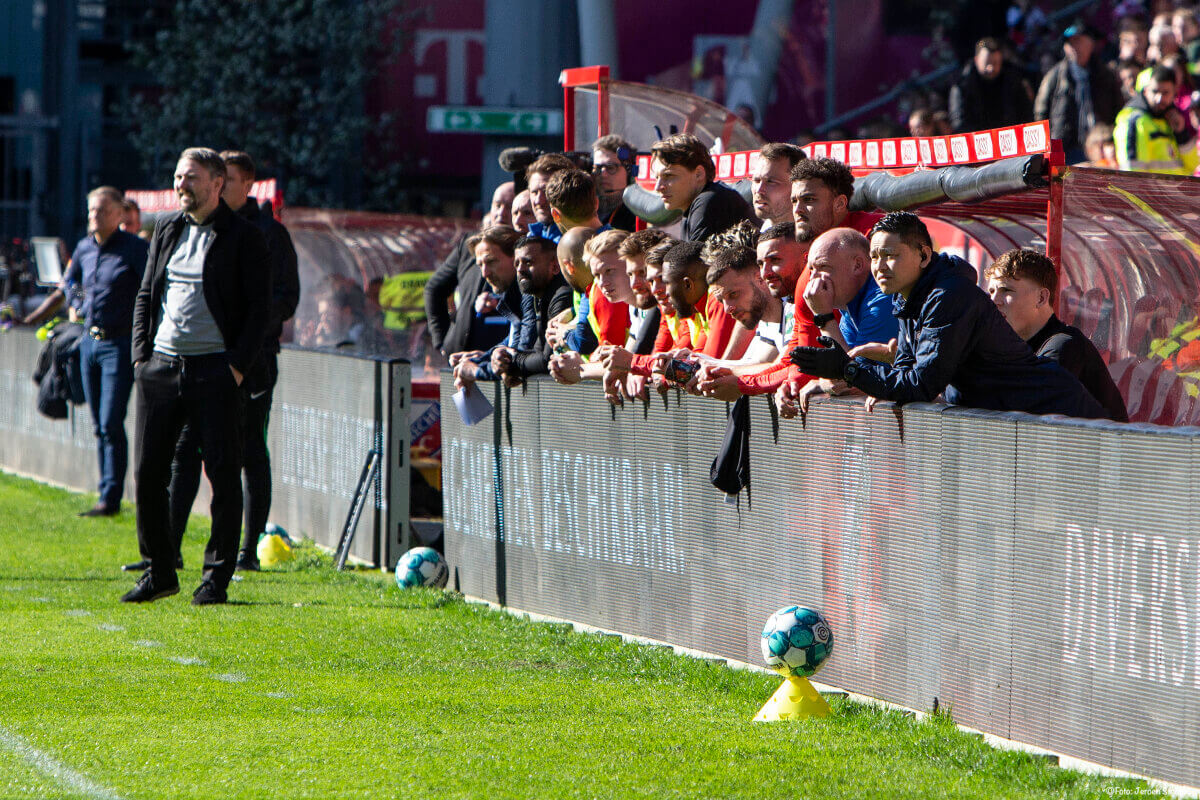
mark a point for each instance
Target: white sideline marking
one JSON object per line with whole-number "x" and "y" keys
{"x": 52, "y": 767}
{"x": 1000, "y": 743}
{"x": 231, "y": 677}
{"x": 78, "y": 612}
{"x": 189, "y": 661}
{"x": 108, "y": 626}
{"x": 147, "y": 643}
{"x": 278, "y": 695}
{"x": 42, "y": 600}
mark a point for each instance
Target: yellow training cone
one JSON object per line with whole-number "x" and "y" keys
{"x": 273, "y": 550}
{"x": 795, "y": 699}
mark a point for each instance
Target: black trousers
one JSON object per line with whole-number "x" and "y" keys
{"x": 257, "y": 394}
{"x": 199, "y": 392}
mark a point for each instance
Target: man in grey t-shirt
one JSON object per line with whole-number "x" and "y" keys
{"x": 199, "y": 323}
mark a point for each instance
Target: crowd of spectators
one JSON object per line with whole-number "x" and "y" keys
{"x": 1122, "y": 98}
{"x": 1121, "y": 93}
{"x": 791, "y": 295}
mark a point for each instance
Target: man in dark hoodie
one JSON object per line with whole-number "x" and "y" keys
{"x": 952, "y": 338}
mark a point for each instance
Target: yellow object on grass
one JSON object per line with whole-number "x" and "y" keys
{"x": 273, "y": 550}
{"x": 794, "y": 699}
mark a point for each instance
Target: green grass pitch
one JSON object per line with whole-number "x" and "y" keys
{"x": 315, "y": 684}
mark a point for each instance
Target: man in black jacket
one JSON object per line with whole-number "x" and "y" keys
{"x": 1023, "y": 284}
{"x": 988, "y": 94}
{"x": 199, "y": 322}
{"x": 458, "y": 277}
{"x": 542, "y": 283}
{"x": 952, "y": 338}
{"x": 685, "y": 179}
{"x": 1078, "y": 92}
{"x": 258, "y": 388}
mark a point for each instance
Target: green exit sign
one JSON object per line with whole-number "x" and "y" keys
{"x": 492, "y": 120}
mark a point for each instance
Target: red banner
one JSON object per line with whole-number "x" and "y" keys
{"x": 151, "y": 202}
{"x": 931, "y": 152}
{"x": 926, "y": 152}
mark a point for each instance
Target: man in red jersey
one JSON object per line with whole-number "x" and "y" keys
{"x": 821, "y": 192}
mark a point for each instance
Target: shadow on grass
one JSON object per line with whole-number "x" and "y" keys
{"x": 64, "y": 579}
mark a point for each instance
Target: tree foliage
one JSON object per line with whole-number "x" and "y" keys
{"x": 281, "y": 79}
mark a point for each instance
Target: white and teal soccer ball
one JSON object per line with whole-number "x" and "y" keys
{"x": 796, "y": 641}
{"x": 422, "y": 566}
{"x": 277, "y": 530}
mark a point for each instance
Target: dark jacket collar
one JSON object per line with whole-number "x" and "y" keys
{"x": 941, "y": 266}
{"x": 1053, "y": 326}
{"x": 543, "y": 298}
{"x": 249, "y": 210}
{"x": 221, "y": 219}
{"x": 712, "y": 187}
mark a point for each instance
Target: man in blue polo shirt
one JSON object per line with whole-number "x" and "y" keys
{"x": 841, "y": 281}
{"x": 108, "y": 263}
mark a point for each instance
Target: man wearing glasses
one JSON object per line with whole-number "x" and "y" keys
{"x": 612, "y": 169}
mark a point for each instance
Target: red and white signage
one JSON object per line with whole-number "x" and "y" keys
{"x": 931, "y": 152}
{"x": 926, "y": 152}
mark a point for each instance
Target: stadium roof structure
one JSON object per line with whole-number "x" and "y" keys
{"x": 1127, "y": 244}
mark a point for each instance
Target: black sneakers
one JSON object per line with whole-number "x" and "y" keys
{"x": 147, "y": 590}
{"x": 99, "y": 510}
{"x": 247, "y": 562}
{"x": 207, "y": 594}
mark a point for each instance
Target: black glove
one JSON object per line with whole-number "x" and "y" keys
{"x": 827, "y": 361}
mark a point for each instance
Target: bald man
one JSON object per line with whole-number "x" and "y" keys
{"x": 522, "y": 212}
{"x": 500, "y": 212}
{"x": 566, "y": 330}
{"x": 841, "y": 282}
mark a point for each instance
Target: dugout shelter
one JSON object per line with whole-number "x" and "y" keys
{"x": 1037, "y": 576}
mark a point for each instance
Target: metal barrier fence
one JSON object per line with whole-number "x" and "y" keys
{"x": 329, "y": 411}
{"x": 1038, "y": 577}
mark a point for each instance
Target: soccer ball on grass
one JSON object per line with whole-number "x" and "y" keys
{"x": 796, "y": 641}
{"x": 422, "y": 566}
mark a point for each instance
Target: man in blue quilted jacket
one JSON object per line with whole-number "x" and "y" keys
{"x": 952, "y": 338}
